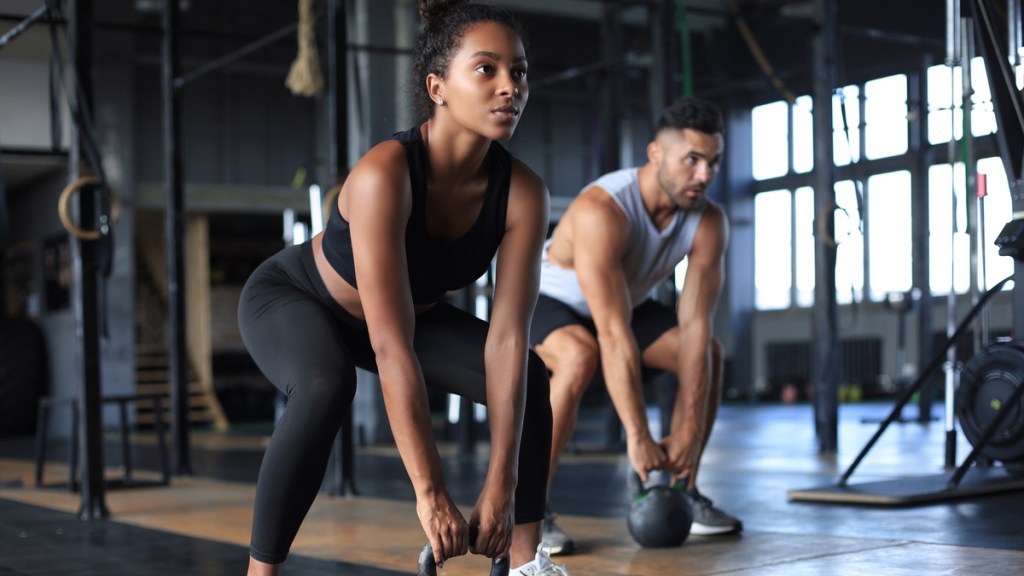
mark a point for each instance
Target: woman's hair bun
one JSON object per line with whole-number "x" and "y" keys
{"x": 431, "y": 9}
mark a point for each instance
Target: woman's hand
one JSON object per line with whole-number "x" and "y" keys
{"x": 444, "y": 526}
{"x": 493, "y": 519}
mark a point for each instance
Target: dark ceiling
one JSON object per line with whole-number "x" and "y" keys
{"x": 876, "y": 38}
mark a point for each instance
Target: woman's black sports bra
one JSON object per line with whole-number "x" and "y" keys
{"x": 436, "y": 265}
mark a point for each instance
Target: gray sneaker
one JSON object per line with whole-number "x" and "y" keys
{"x": 708, "y": 520}
{"x": 553, "y": 539}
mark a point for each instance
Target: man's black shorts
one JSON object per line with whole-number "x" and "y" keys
{"x": 651, "y": 319}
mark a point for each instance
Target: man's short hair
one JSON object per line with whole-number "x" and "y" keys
{"x": 691, "y": 112}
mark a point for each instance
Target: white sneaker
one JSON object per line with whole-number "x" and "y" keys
{"x": 540, "y": 566}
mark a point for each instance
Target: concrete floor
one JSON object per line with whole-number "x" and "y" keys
{"x": 757, "y": 455}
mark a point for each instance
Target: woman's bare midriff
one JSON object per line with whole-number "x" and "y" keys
{"x": 343, "y": 293}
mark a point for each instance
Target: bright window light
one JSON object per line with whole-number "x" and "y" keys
{"x": 943, "y": 191}
{"x": 998, "y": 208}
{"x": 885, "y": 117}
{"x": 770, "y": 135}
{"x": 803, "y": 237}
{"x": 772, "y": 249}
{"x": 850, "y": 240}
{"x": 889, "y": 234}
{"x": 846, "y": 126}
{"x": 803, "y": 135}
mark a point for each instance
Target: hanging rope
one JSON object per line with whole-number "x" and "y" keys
{"x": 305, "y": 78}
{"x": 755, "y": 50}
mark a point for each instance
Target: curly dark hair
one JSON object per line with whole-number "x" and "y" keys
{"x": 691, "y": 112}
{"x": 444, "y": 25}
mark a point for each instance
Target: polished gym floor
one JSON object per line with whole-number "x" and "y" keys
{"x": 199, "y": 525}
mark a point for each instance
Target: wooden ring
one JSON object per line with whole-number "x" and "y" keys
{"x": 65, "y": 197}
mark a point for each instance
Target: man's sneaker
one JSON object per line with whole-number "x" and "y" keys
{"x": 540, "y": 566}
{"x": 708, "y": 520}
{"x": 553, "y": 539}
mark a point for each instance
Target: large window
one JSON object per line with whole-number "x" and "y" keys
{"x": 945, "y": 103}
{"x": 889, "y": 235}
{"x": 996, "y": 211}
{"x": 770, "y": 133}
{"x": 803, "y": 135}
{"x": 846, "y": 126}
{"x": 849, "y": 238}
{"x": 885, "y": 117}
{"x": 772, "y": 249}
{"x": 871, "y": 130}
{"x": 803, "y": 242}
{"x": 948, "y": 243}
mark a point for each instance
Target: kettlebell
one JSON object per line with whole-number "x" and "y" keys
{"x": 428, "y": 567}
{"x": 659, "y": 516}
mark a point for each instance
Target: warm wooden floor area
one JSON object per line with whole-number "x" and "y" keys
{"x": 200, "y": 525}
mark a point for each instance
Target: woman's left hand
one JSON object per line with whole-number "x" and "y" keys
{"x": 493, "y": 518}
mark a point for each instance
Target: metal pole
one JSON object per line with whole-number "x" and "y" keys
{"x": 613, "y": 98}
{"x": 174, "y": 230}
{"x": 826, "y": 358}
{"x": 24, "y": 25}
{"x": 236, "y": 55}
{"x": 920, "y": 220}
{"x": 1013, "y": 32}
{"x": 337, "y": 95}
{"x": 337, "y": 158}
{"x": 84, "y": 269}
{"x": 984, "y": 319}
{"x": 970, "y": 171}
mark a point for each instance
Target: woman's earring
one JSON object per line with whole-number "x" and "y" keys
{"x": 440, "y": 102}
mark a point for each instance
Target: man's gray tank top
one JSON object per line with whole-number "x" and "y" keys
{"x": 651, "y": 256}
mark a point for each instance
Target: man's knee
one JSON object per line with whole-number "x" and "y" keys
{"x": 572, "y": 356}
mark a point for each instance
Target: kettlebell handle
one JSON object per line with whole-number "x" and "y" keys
{"x": 638, "y": 490}
{"x": 428, "y": 566}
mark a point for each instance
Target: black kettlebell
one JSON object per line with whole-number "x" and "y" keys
{"x": 428, "y": 567}
{"x": 659, "y": 516}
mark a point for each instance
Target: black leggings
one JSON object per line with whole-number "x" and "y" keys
{"x": 309, "y": 347}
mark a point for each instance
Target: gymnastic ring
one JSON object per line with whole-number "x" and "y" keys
{"x": 65, "y": 196}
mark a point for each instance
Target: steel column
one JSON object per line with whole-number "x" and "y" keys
{"x": 826, "y": 340}
{"x": 174, "y": 230}
{"x": 85, "y": 287}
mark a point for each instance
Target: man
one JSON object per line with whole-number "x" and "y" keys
{"x": 618, "y": 240}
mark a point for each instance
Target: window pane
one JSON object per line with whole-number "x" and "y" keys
{"x": 803, "y": 135}
{"x": 998, "y": 210}
{"x": 846, "y": 134}
{"x": 940, "y": 103}
{"x": 772, "y": 261}
{"x": 885, "y": 117}
{"x": 941, "y": 237}
{"x": 850, "y": 240}
{"x": 803, "y": 201}
{"x": 983, "y": 114}
{"x": 889, "y": 234}
{"x": 770, "y": 134}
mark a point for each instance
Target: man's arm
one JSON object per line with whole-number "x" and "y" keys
{"x": 601, "y": 234}
{"x": 698, "y": 301}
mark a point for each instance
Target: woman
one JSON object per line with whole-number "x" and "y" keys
{"x": 420, "y": 214}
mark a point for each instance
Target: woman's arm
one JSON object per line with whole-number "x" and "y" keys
{"x": 378, "y": 201}
{"x": 515, "y": 295}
